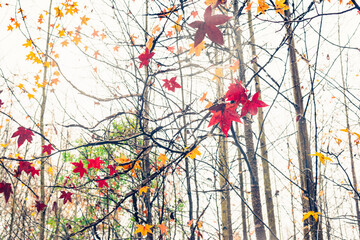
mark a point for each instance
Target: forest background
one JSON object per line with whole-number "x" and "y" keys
{"x": 170, "y": 119}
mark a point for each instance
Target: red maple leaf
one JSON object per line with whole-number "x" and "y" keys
{"x": 95, "y": 163}
{"x": 33, "y": 171}
{"x": 6, "y": 189}
{"x": 208, "y": 26}
{"x": 102, "y": 182}
{"x": 26, "y": 167}
{"x": 145, "y": 57}
{"x": 112, "y": 169}
{"x": 66, "y": 196}
{"x": 252, "y": 105}
{"x": 236, "y": 93}
{"x": 224, "y": 114}
{"x": 23, "y": 166}
{"x": 40, "y": 205}
{"x": 79, "y": 168}
{"x": 171, "y": 84}
{"x": 24, "y": 134}
{"x": 47, "y": 149}
{"x": 1, "y": 102}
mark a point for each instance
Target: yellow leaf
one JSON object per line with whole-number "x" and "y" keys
{"x": 143, "y": 190}
{"x": 200, "y": 223}
{"x": 10, "y": 28}
{"x": 30, "y": 96}
{"x": 218, "y": 74}
{"x": 322, "y": 157}
{"x": 62, "y": 33}
{"x": 280, "y": 6}
{"x": 212, "y": 2}
{"x": 262, "y": 6}
{"x": 194, "y": 153}
{"x": 177, "y": 26}
{"x": 311, "y": 213}
{"x": 144, "y": 230}
{"x": 28, "y": 43}
{"x": 197, "y": 50}
{"x": 50, "y": 171}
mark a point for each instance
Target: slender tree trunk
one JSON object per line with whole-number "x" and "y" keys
{"x": 187, "y": 162}
{"x": 146, "y": 144}
{"x": 353, "y": 171}
{"x": 242, "y": 190}
{"x": 224, "y": 179}
{"x": 263, "y": 148}
{"x": 311, "y": 227}
{"x": 42, "y": 131}
{"x": 250, "y": 151}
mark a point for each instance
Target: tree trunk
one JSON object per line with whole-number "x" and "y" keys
{"x": 224, "y": 180}
{"x": 250, "y": 151}
{"x": 242, "y": 191}
{"x": 42, "y": 132}
{"x": 311, "y": 227}
{"x": 146, "y": 144}
{"x": 353, "y": 171}
{"x": 263, "y": 148}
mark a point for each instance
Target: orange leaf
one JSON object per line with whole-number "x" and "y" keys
{"x": 247, "y": 9}
{"x": 163, "y": 229}
{"x": 156, "y": 29}
{"x": 144, "y": 230}
{"x": 190, "y": 223}
{"x": 162, "y": 157}
{"x": 209, "y": 105}
{"x": 84, "y": 20}
{"x": 203, "y": 97}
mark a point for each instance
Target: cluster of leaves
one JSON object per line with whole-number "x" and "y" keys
{"x": 225, "y": 113}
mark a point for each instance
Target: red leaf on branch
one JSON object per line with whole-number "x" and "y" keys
{"x": 224, "y": 114}
{"x": 102, "y": 182}
{"x": 145, "y": 57}
{"x": 112, "y": 169}
{"x": 26, "y": 167}
{"x": 6, "y": 189}
{"x": 79, "y": 168}
{"x": 40, "y": 206}
{"x": 95, "y": 163}
{"x": 236, "y": 93}
{"x": 171, "y": 84}
{"x": 47, "y": 149}
{"x": 33, "y": 171}
{"x": 66, "y": 196}
{"x": 253, "y": 105}
{"x": 23, "y": 166}
{"x": 23, "y": 134}
{"x": 208, "y": 26}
